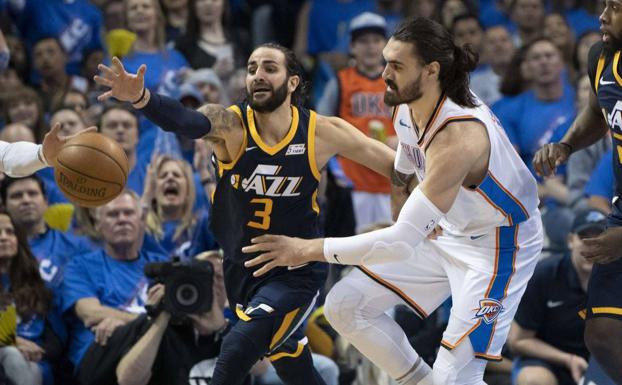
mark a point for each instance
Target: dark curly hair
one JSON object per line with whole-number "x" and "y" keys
{"x": 433, "y": 43}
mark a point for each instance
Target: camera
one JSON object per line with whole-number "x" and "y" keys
{"x": 188, "y": 285}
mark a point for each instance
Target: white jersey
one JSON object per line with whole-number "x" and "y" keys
{"x": 507, "y": 195}
{"x": 20, "y": 158}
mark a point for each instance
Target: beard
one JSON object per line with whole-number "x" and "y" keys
{"x": 613, "y": 45}
{"x": 270, "y": 104}
{"x": 411, "y": 92}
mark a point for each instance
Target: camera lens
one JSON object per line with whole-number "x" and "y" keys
{"x": 187, "y": 294}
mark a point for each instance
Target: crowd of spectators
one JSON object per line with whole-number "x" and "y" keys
{"x": 73, "y": 277}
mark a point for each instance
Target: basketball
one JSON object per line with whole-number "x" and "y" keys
{"x": 91, "y": 169}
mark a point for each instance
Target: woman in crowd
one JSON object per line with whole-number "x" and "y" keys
{"x": 25, "y": 295}
{"x": 146, "y": 20}
{"x": 208, "y": 42}
{"x": 169, "y": 198}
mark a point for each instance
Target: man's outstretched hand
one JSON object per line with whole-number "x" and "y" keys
{"x": 122, "y": 85}
{"x": 53, "y": 142}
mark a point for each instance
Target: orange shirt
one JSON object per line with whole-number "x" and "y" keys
{"x": 361, "y": 102}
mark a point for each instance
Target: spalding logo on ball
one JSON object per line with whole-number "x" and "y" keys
{"x": 91, "y": 169}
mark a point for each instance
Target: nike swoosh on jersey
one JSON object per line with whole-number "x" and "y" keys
{"x": 250, "y": 148}
{"x": 476, "y": 237}
{"x": 404, "y": 124}
{"x": 604, "y": 82}
{"x": 552, "y": 304}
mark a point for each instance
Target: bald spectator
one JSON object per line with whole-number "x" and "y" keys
{"x": 17, "y": 132}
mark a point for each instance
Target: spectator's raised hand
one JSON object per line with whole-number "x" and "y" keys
{"x": 30, "y": 350}
{"x": 123, "y": 85}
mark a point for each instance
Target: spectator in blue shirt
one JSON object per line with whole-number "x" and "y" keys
{"x": 107, "y": 288}
{"x": 76, "y": 23}
{"x": 171, "y": 219}
{"x": 146, "y": 20}
{"x": 25, "y": 362}
{"x": 600, "y": 187}
{"x": 531, "y": 117}
{"x": 121, "y": 124}
{"x": 25, "y": 201}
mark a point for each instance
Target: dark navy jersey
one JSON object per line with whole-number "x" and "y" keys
{"x": 605, "y": 72}
{"x": 267, "y": 190}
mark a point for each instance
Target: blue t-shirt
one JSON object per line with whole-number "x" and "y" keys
{"x": 530, "y": 123}
{"x": 52, "y": 191}
{"x": 161, "y": 66}
{"x": 117, "y": 284}
{"x": 193, "y": 242}
{"x": 490, "y": 16}
{"x": 77, "y": 24}
{"x": 581, "y": 21}
{"x": 328, "y": 22}
{"x": 136, "y": 179}
{"x": 53, "y": 250}
{"x": 601, "y": 182}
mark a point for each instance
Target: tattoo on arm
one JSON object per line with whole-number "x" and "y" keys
{"x": 399, "y": 179}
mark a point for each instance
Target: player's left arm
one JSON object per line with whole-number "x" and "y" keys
{"x": 458, "y": 152}
{"x": 335, "y": 136}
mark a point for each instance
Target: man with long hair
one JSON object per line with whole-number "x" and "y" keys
{"x": 470, "y": 229}
{"x": 269, "y": 151}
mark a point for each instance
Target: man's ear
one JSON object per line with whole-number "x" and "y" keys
{"x": 293, "y": 82}
{"x": 433, "y": 70}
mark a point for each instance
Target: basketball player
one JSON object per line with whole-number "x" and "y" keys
{"x": 24, "y": 158}
{"x": 603, "y": 326}
{"x": 472, "y": 184}
{"x": 269, "y": 152}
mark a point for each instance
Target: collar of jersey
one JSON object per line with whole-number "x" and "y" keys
{"x": 257, "y": 138}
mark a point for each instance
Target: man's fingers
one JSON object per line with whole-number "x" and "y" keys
{"x": 141, "y": 72}
{"x": 103, "y": 81}
{"x": 265, "y": 268}
{"x": 107, "y": 71}
{"x": 117, "y": 63}
{"x": 258, "y": 260}
{"x": 105, "y": 96}
{"x": 55, "y": 130}
{"x": 257, "y": 247}
{"x": 89, "y": 129}
{"x": 265, "y": 238}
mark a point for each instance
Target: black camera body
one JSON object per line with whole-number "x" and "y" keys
{"x": 188, "y": 286}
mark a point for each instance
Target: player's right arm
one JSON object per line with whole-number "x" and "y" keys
{"x": 589, "y": 126}
{"x": 167, "y": 113}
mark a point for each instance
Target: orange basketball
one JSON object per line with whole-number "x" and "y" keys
{"x": 91, "y": 169}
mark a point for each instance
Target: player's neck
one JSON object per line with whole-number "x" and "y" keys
{"x": 549, "y": 92}
{"x": 423, "y": 108}
{"x": 273, "y": 126}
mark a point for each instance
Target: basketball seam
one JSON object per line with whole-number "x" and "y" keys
{"x": 88, "y": 176}
{"x": 98, "y": 150}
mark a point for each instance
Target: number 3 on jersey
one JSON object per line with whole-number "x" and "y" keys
{"x": 263, "y": 214}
